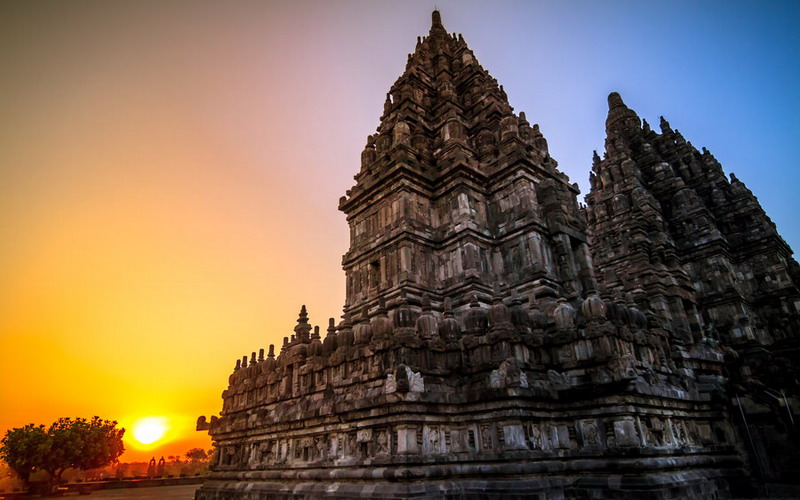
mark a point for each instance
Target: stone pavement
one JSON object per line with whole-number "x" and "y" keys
{"x": 184, "y": 492}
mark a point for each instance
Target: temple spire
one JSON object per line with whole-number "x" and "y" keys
{"x": 428, "y": 135}
{"x": 615, "y": 100}
{"x": 437, "y": 28}
{"x": 620, "y": 116}
{"x": 303, "y": 327}
{"x": 436, "y": 19}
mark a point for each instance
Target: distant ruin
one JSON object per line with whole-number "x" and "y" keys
{"x": 500, "y": 340}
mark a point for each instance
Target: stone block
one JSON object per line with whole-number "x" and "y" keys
{"x": 514, "y": 437}
{"x": 625, "y": 433}
{"x": 407, "y": 439}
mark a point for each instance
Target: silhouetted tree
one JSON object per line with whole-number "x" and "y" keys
{"x": 24, "y": 449}
{"x": 82, "y": 444}
{"x": 197, "y": 455}
{"x": 67, "y": 443}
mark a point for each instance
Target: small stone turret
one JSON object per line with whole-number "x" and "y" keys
{"x": 362, "y": 332}
{"x": 499, "y": 315}
{"x": 303, "y": 327}
{"x": 449, "y": 328}
{"x": 476, "y": 319}
{"x": 427, "y": 326}
{"x": 382, "y": 326}
{"x": 315, "y": 346}
{"x": 330, "y": 344}
{"x": 344, "y": 334}
{"x": 404, "y": 316}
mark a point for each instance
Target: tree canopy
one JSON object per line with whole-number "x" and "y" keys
{"x": 68, "y": 443}
{"x": 24, "y": 449}
{"x": 197, "y": 455}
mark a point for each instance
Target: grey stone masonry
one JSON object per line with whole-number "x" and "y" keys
{"x": 482, "y": 353}
{"x": 697, "y": 249}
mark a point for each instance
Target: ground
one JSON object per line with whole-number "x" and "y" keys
{"x": 184, "y": 492}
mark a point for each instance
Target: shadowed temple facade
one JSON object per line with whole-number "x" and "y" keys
{"x": 499, "y": 340}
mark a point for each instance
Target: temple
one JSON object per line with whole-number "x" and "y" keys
{"x": 499, "y": 340}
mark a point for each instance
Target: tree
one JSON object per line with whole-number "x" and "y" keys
{"x": 82, "y": 444}
{"x": 24, "y": 449}
{"x": 197, "y": 455}
{"x": 102, "y": 444}
{"x": 67, "y": 443}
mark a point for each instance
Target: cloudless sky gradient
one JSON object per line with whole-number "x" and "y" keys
{"x": 170, "y": 171}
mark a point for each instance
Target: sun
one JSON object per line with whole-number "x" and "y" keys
{"x": 148, "y": 430}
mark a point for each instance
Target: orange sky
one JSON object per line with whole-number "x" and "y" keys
{"x": 170, "y": 171}
{"x": 161, "y": 214}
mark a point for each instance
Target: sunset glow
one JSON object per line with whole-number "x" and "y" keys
{"x": 170, "y": 171}
{"x": 148, "y": 430}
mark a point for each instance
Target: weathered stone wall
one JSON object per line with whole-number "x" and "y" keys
{"x": 499, "y": 391}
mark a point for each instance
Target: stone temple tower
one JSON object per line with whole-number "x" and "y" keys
{"x": 457, "y": 196}
{"x": 699, "y": 251}
{"x": 479, "y": 354}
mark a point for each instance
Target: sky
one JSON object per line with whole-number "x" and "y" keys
{"x": 170, "y": 171}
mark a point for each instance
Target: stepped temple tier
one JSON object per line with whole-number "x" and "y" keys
{"x": 501, "y": 341}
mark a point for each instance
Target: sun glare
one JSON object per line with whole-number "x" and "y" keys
{"x": 150, "y": 429}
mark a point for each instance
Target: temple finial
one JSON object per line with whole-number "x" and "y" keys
{"x": 664, "y": 124}
{"x": 303, "y": 327}
{"x": 436, "y": 19}
{"x": 620, "y": 116}
{"x": 614, "y": 100}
